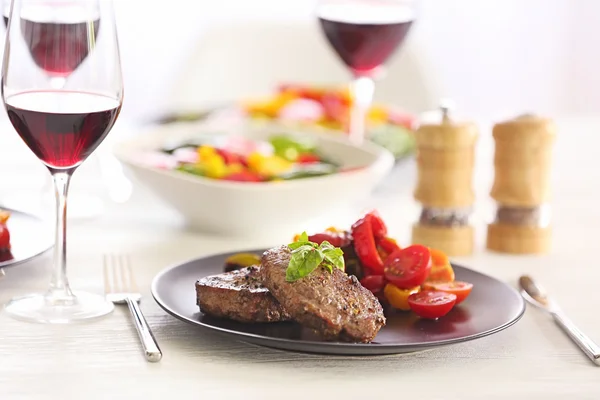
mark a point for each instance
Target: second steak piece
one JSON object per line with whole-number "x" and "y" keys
{"x": 334, "y": 304}
{"x": 240, "y": 296}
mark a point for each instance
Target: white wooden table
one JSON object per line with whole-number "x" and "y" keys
{"x": 102, "y": 359}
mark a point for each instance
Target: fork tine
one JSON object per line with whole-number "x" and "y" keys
{"x": 115, "y": 274}
{"x": 132, "y": 283}
{"x": 121, "y": 266}
{"x": 105, "y": 272}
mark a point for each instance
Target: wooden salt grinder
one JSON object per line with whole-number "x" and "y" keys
{"x": 521, "y": 185}
{"x": 445, "y": 160}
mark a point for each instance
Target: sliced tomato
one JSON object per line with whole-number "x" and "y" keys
{"x": 458, "y": 288}
{"x": 408, "y": 267}
{"x": 4, "y": 237}
{"x": 375, "y": 283}
{"x": 431, "y": 304}
{"x": 398, "y": 298}
{"x": 365, "y": 247}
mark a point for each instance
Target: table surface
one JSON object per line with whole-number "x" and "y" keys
{"x": 102, "y": 359}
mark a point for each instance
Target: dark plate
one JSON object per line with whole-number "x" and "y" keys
{"x": 29, "y": 238}
{"x": 491, "y": 307}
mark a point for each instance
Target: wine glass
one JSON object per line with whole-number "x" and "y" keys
{"x": 40, "y": 200}
{"x": 63, "y": 125}
{"x": 364, "y": 34}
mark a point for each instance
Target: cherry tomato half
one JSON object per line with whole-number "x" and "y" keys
{"x": 4, "y": 237}
{"x": 431, "y": 304}
{"x": 408, "y": 267}
{"x": 460, "y": 289}
{"x": 375, "y": 283}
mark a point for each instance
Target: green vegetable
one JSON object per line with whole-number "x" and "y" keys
{"x": 193, "y": 169}
{"x": 307, "y": 256}
{"x": 307, "y": 171}
{"x": 398, "y": 140}
{"x": 288, "y": 148}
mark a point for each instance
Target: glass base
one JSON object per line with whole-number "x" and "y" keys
{"x": 45, "y": 309}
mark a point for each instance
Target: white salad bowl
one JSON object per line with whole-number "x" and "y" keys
{"x": 265, "y": 209}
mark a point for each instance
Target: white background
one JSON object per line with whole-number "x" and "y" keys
{"x": 492, "y": 56}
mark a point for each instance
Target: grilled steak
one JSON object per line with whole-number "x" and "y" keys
{"x": 238, "y": 295}
{"x": 334, "y": 304}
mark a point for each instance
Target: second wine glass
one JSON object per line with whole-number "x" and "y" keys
{"x": 61, "y": 124}
{"x": 365, "y": 34}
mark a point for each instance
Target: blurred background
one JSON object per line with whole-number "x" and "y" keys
{"x": 495, "y": 59}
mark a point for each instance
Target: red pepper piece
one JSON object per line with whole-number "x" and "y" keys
{"x": 229, "y": 157}
{"x": 379, "y": 227}
{"x": 308, "y": 158}
{"x": 243, "y": 176}
{"x": 387, "y": 245}
{"x": 337, "y": 239}
{"x": 365, "y": 246}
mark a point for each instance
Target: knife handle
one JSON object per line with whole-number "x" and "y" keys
{"x": 587, "y": 345}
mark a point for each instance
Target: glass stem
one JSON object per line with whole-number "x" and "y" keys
{"x": 59, "y": 285}
{"x": 58, "y": 82}
{"x": 363, "y": 89}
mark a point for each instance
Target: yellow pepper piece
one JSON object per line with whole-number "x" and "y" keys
{"x": 275, "y": 165}
{"x": 268, "y": 165}
{"x": 4, "y": 216}
{"x": 254, "y": 161}
{"x": 397, "y": 297}
{"x": 235, "y": 168}
{"x": 270, "y": 107}
{"x": 215, "y": 167}
{"x": 378, "y": 114}
{"x": 206, "y": 152}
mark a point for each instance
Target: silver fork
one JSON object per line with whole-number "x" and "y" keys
{"x": 120, "y": 288}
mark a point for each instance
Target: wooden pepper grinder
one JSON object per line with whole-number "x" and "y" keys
{"x": 521, "y": 186}
{"x": 445, "y": 160}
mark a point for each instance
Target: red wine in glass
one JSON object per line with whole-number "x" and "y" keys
{"x": 62, "y": 140}
{"x": 365, "y": 34}
{"x": 59, "y": 47}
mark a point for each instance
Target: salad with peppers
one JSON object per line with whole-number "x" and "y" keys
{"x": 4, "y": 233}
{"x": 241, "y": 159}
{"x": 330, "y": 108}
{"x": 414, "y": 278}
